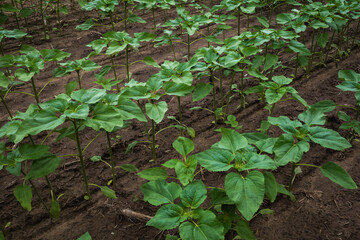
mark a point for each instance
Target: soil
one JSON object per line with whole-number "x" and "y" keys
{"x": 322, "y": 210}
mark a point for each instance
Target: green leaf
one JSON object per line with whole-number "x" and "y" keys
{"x": 145, "y": 36}
{"x": 85, "y": 236}
{"x": 183, "y": 145}
{"x": 89, "y": 96}
{"x": 153, "y": 174}
{"x": 157, "y": 111}
{"x": 4, "y": 81}
{"x": 287, "y": 151}
{"x": 232, "y": 140}
{"x": 349, "y": 75}
{"x": 70, "y": 88}
{"x": 171, "y": 237}
{"x": 274, "y": 95}
{"x": 129, "y": 168}
{"x": 257, "y": 161}
{"x": 263, "y": 21}
{"x": 31, "y": 152}
{"x": 322, "y": 39}
{"x": 24, "y": 195}
{"x": 105, "y": 117}
{"x": 270, "y": 61}
{"x": 86, "y": 25}
{"x": 270, "y": 186}
{"x": 167, "y": 217}
{"x": 215, "y": 160}
{"x": 313, "y": 116}
{"x": 53, "y": 54}
{"x": 108, "y": 192}
{"x": 218, "y": 196}
{"x": 9, "y": 8}
{"x": 328, "y": 138}
{"x": 206, "y": 228}
{"x": 23, "y": 75}
{"x": 185, "y": 171}
{"x": 338, "y": 175}
{"x": 243, "y": 229}
{"x": 201, "y": 91}
{"x": 324, "y": 106}
{"x": 160, "y": 192}
{"x": 80, "y": 112}
{"x": 300, "y": 48}
{"x": 42, "y": 121}
{"x": 151, "y": 62}
{"x": 194, "y": 194}
{"x": 177, "y": 89}
{"x": 247, "y": 193}
{"x": 55, "y": 209}
{"x": 130, "y": 110}
{"x": 43, "y": 166}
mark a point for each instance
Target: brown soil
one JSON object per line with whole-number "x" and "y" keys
{"x": 322, "y": 210}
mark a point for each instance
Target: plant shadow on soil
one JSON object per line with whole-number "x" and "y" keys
{"x": 322, "y": 210}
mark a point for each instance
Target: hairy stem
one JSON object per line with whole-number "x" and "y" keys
{"x": 111, "y": 159}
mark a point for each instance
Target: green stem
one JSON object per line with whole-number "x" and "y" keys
{"x": 43, "y": 19}
{"x": 329, "y": 46}
{"x": 221, "y": 88}
{"x": 180, "y": 114}
{"x": 238, "y": 21}
{"x": 242, "y": 96}
{"x": 49, "y": 184}
{"x": 188, "y": 46}
{"x": 214, "y": 94}
{"x": 112, "y": 22}
{"x": 79, "y": 78}
{"x": 292, "y": 177}
{"x": 308, "y": 165}
{"x": 115, "y": 75}
{"x": 127, "y": 63}
{"x": 173, "y": 49}
{"x": 81, "y": 157}
{"x": 111, "y": 159}
{"x": 355, "y": 34}
{"x": 6, "y": 106}
{"x": 145, "y": 125}
{"x": 35, "y": 92}
{"x": 311, "y": 50}
{"x": 297, "y": 65}
{"x": 125, "y": 15}
{"x": 229, "y": 94}
{"x": 153, "y": 145}
{"x": 153, "y": 15}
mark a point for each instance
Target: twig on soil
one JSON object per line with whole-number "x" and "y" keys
{"x": 135, "y": 215}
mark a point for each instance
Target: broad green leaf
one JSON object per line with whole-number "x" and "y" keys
{"x": 153, "y": 174}
{"x": 322, "y": 39}
{"x": 160, "y": 192}
{"x": 156, "y": 111}
{"x": 206, "y": 228}
{"x": 70, "y": 88}
{"x": 171, "y": 237}
{"x": 201, "y": 91}
{"x": 43, "y": 166}
{"x": 232, "y": 140}
{"x": 129, "y": 168}
{"x": 349, "y": 75}
{"x": 243, "y": 229}
{"x": 257, "y": 161}
{"x": 313, "y": 116}
{"x": 263, "y": 21}
{"x": 177, "y": 89}
{"x": 4, "y": 81}
{"x": 300, "y": 48}
{"x": 215, "y": 160}
{"x": 23, "y": 194}
{"x": 183, "y": 145}
{"x": 53, "y": 54}
{"x": 285, "y": 123}
{"x": 105, "y": 117}
{"x": 247, "y": 193}
{"x": 42, "y": 121}
{"x": 55, "y": 209}
{"x": 338, "y": 175}
{"x": 270, "y": 61}
{"x": 324, "y": 106}
{"x": 7, "y": 7}
{"x": 89, "y": 96}
{"x": 218, "y": 196}
{"x": 80, "y": 112}
{"x": 85, "y": 236}
{"x": 266, "y": 145}
{"x": 286, "y": 150}
{"x": 108, "y": 192}
{"x": 86, "y": 25}
{"x": 32, "y": 152}
{"x": 16, "y": 33}
{"x": 136, "y": 92}
{"x": 328, "y": 138}
{"x": 145, "y": 36}
{"x": 270, "y": 186}
{"x": 167, "y": 217}
{"x": 194, "y": 194}
{"x": 274, "y": 95}
{"x": 151, "y": 62}
{"x": 130, "y": 110}
{"x": 185, "y": 171}
{"x": 23, "y": 75}
{"x": 171, "y": 163}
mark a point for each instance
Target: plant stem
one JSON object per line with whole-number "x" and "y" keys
{"x": 43, "y": 19}
{"x": 329, "y": 47}
{"x": 79, "y": 78}
{"x": 125, "y": 15}
{"x": 6, "y": 106}
{"x": 229, "y": 94}
{"x": 221, "y": 87}
{"x": 49, "y": 184}
{"x": 173, "y": 49}
{"x": 35, "y": 92}
{"x": 311, "y": 50}
{"x": 292, "y": 177}
{"x": 115, "y": 75}
{"x": 127, "y": 63}
{"x": 356, "y": 30}
{"x": 153, "y": 15}
{"x": 81, "y": 157}
{"x": 153, "y": 145}
{"x": 297, "y": 65}
{"x": 146, "y": 127}
{"x": 112, "y": 21}
{"x": 111, "y": 159}
{"x": 214, "y": 94}
{"x": 242, "y": 95}
{"x": 188, "y": 46}
{"x": 238, "y": 21}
